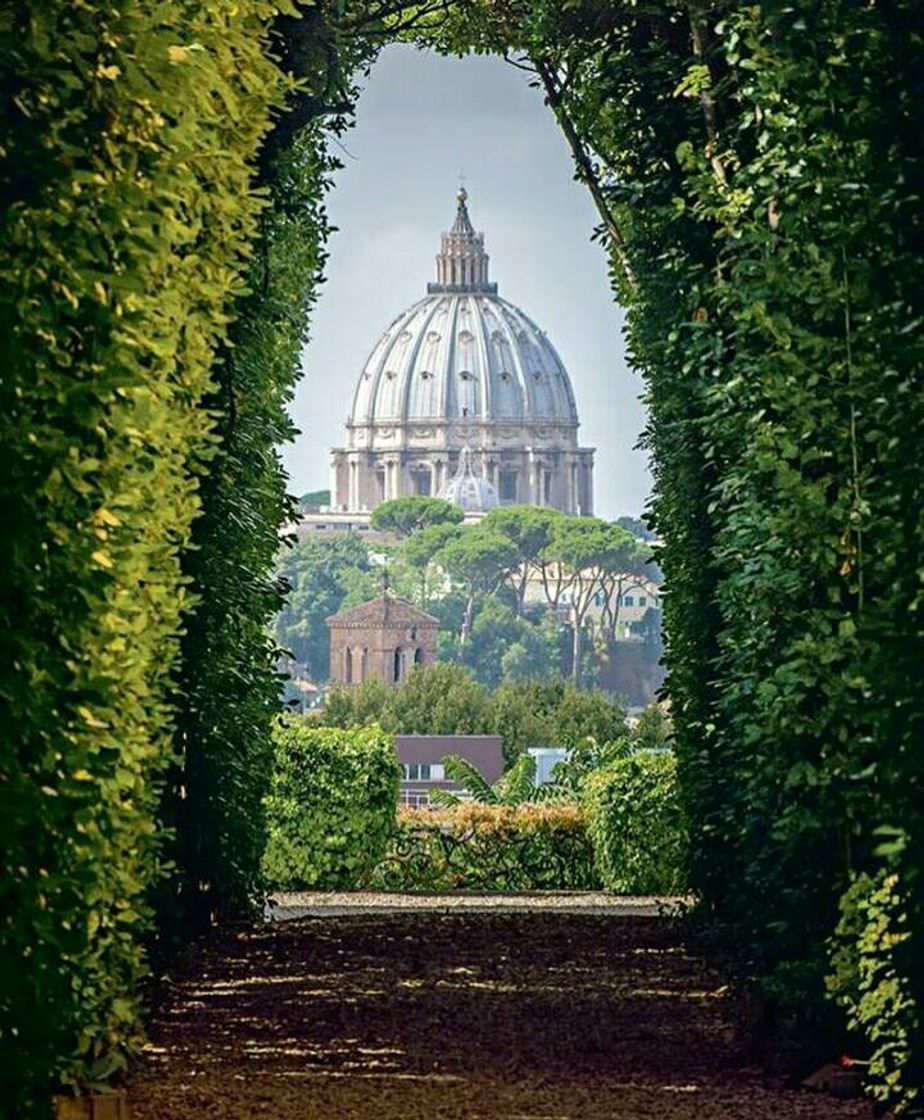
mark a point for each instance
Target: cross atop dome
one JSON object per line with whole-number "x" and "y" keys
{"x": 462, "y": 263}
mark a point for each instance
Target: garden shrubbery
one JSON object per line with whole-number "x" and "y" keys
{"x": 128, "y": 211}
{"x": 541, "y": 846}
{"x": 447, "y": 699}
{"x": 635, "y": 821}
{"x": 333, "y": 824}
{"x": 331, "y": 806}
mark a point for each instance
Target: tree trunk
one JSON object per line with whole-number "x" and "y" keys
{"x": 577, "y": 643}
{"x": 521, "y": 593}
{"x": 467, "y": 620}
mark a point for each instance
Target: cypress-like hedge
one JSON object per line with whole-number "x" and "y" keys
{"x": 227, "y": 677}
{"x": 636, "y": 823}
{"x": 331, "y": 805}
{"x": 128, "y": 137}
{"x": 758, "y": 170}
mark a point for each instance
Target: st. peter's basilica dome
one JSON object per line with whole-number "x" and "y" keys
{"x": 463, "y": 368}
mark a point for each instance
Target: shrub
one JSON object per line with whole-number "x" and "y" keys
{"x": 872, "y": 978}
{"x": 331, "y": 807}
{"x": 490, "y": 847}
{"x": 636, "y": 824}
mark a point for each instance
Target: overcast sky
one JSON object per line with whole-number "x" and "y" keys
{"x": 421, "y": 120}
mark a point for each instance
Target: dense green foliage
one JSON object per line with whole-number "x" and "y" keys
{"x": 319, "y": 573}
{"x": 516, "y": 786}
{"x": 445, "y": 700}
{"x": 489, "y": 847}
{"x": 636, "y": 823}
{"x": 505, "y": 647}
{"x": 230, "y": 685}
{"x": 331, "y": 805}
{"x": 553, "y": 713}
{"x": 474, "y": 578}
{"x": 757, "y": 170}
{"x": 405, "y": 516}
{"x": 312, "y": 499}
{"x": 873, "y": 965}
{"x": 128, "y": 138}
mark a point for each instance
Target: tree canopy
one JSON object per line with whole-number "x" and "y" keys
{"x": 405, "y": 516}
{"x": 319, "y": 573}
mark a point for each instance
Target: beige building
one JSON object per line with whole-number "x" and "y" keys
{"x": 463, "y": 384}
{"x": 380, "y": 640}
{"x": 622, "y": 601}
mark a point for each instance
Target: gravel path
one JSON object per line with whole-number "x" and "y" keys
{"x": 284, "y": 906}
{"x": 533, "y": 1015}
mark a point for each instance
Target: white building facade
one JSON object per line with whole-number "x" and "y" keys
{"x": 463, "y": 369}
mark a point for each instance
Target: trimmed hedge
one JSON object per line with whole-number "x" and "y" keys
{"x": 489, "y": 847}
{"x": 331, "y": 807}
{"x": 229, "y": 698}
{"x": 636, "y": 822}
{"x": 129, "y": 134}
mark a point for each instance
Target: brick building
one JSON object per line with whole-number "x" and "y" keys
{"x": 380, "y": 640}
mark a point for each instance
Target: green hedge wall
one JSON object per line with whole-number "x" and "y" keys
{"x": 128, "y": 135}
{"x": 636, "y": 823}
{"x": 331, "y": 805}
{"x": 228, "y": 678}
{"x": 489, "y": 847}
{"x": 758, "y": 170}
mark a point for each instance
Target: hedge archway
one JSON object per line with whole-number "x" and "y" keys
{"x": 163, "y": 172}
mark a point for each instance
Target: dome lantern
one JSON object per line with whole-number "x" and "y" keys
{"x": 462, "y": 263}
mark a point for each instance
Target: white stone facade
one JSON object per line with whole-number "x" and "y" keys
{"x": 463, "y": 368}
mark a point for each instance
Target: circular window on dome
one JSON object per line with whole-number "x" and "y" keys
{"x": 390, "y": 374}
{"x": 405, "y": 336}
{"x": 504, "y": 376}
{"x": 434, "y": 336}
{"x": 425, "y": 375}
{"x": 466, "y": 336}
{"x": 537, "y": 377}
{"x": 466, "y": 375}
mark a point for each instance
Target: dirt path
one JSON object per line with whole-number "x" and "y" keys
{"x": 525, "y": 1016}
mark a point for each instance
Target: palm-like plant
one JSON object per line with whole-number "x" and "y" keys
{"x": 517, "y": 786}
